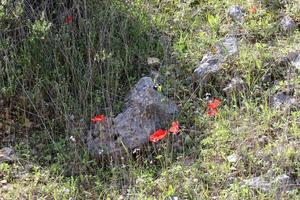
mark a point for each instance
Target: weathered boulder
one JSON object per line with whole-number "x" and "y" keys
{"x": 145, "y": 111}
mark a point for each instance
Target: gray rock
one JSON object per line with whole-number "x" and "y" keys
{"x": 274, "y": 4}
{"x": 236, "y": 13}
{"x": 296, "y": 62}
{"x": 258, "y": 183}
{"x": 211, "y": 64}
{"x": 145, "y": 111}
{"x": 235, "y": 87}
{"x": 266, "y": 183}
{"x": 280, "y": 100}
{"x": 228, "y": 46}
{"x": 294, "y": 59}
{"x": 287, "y": 24}
{"x": 7, "y": 155}
{"x": 283, "y": 179}
{"x": 233, "y": 158}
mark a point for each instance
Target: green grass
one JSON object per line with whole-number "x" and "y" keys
{"x": 54, "y": 77}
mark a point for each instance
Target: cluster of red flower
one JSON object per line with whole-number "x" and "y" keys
{"x": 213, "y": 107}
{"x": 98, "y": 118}
{"x": 253, "y": 10}
{"x": 161, "y": 133}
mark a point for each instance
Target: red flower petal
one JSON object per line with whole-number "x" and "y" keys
{"x": 175, "y": 127}
{"x": 98, "y": 118}
{"x": 253, "y": 10}
{"x": 158, "y": 135}
{"x": 214, "y": 104}
{"x": 69, "y": 19}
{"x": 212, "y": 112}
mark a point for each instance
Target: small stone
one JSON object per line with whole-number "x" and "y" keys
{"x": 281, "y": 100}
{"x": 258, "y": 183}
{"x": 6, "y": 187}
{"x": 236, "y": 86}
{"x": 287, "y": 24}
{"x": 228, "y": 46}
{"x": 210, "y": 64}
{"x": 72, "y": 139}
{"x": 152, "y": 61}
{"x": 267, "y": 183}
{"x": 236, "y": 13}
{"x": 294, "y": 59}
{"x": 7, "y": 155}
{"x": 172, "y": 198}
{"x": 72, "y": 117}
{"x": 233, "y": 158}
{"x": 283, "y": 179}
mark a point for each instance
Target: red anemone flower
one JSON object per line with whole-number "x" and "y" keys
{"x": 213, "y": 107}
{"x": 214, "y": 104}
{"x": 158, "y": 135}
{"x": 98, "y": 118}
{"x": 253, "y": 10}
{"x": 69, "y": 19}
{"x": 175, "y": 127}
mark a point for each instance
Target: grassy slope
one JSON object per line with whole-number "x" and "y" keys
{"x": 180, "y": 33}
